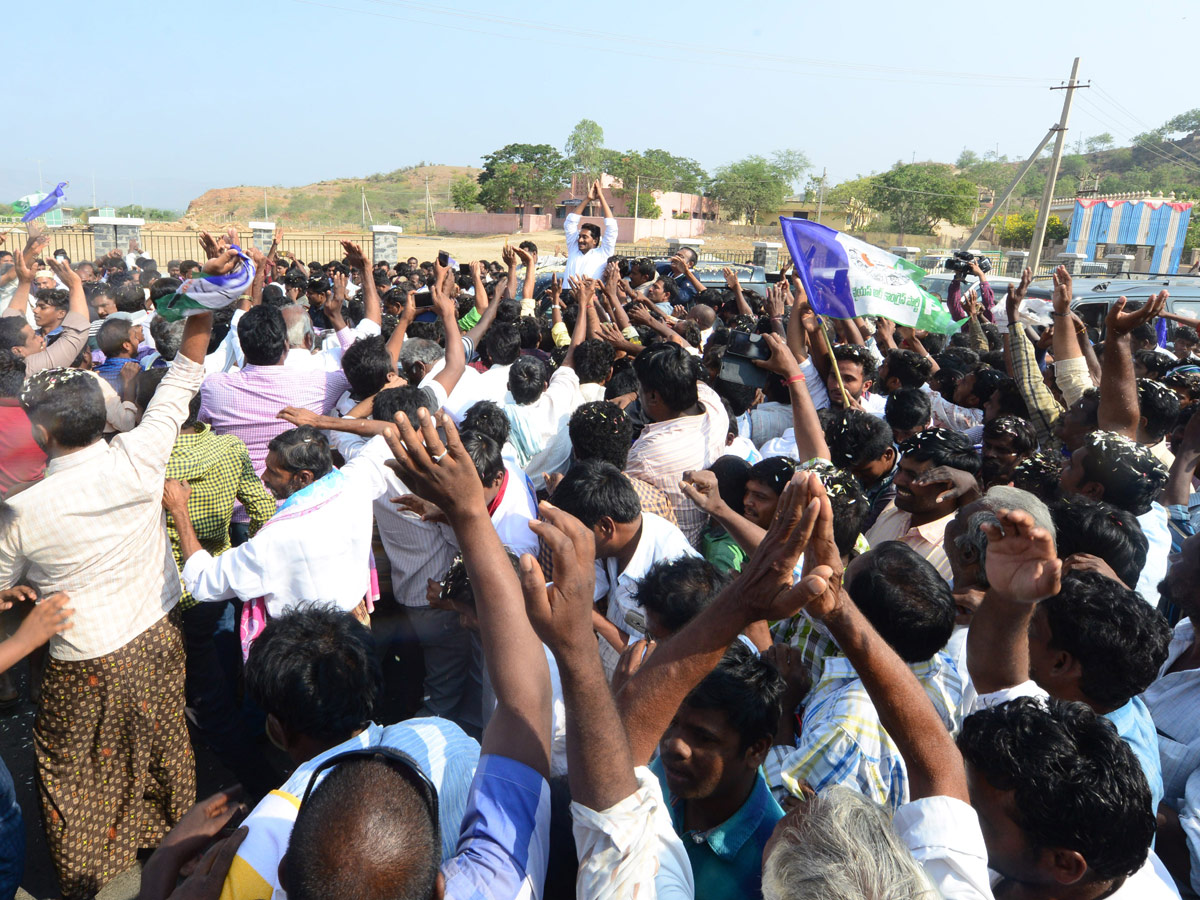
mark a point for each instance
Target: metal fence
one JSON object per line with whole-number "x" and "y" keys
{"x": 163, "y": 246}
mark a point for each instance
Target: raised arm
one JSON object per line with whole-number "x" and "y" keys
{"x": 456, "y": 356}
{"x": 75, "y": 325}
{"x": 763, "y": 590}
{"x": 23, "y": 266}
{"x": 372, "y": 307}
{"x": 1119, "y": 410}
{"x": 700, "y": 486}
{"x": 1021, "y": 570}
{"x": 481, "y": 296}
{"x": 731, "y": 281}
{"x": 443, "y": 474}
{"x": 585, "y": 293}
{"x": 810, "y": 437}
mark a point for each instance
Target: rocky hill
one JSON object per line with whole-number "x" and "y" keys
{"x": 396, "y": 197}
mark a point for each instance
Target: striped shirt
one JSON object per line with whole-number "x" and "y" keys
{"x": 443, "y": 751}
{"x": 665, "y": 450}
{"x": 1174, "y": 702}
{"x": 122, "y": 579}
{"x": 842, "y": 741}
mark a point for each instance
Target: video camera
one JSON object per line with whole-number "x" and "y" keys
{"x": 960, "y": 262}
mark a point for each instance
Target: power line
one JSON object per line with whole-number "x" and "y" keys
{"x": 1102, "y": 116}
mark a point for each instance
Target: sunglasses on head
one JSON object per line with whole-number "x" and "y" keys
{"x": 398, "y": 762}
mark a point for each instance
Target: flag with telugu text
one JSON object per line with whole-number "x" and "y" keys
{"x": 845, "y": 277}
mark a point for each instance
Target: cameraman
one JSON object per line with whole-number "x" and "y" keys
{"x": 955, "y": 290}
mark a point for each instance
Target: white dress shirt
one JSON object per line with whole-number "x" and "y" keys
{"x": 534, "y": 424}
{"x": 512, "y": 511}
{"x": 592, "y": 263}
{"x": 95, "y": 528}
{"x": 1158, "y": 537}
{"x": 631, "y": 849}
{"x": 321, "y": 555}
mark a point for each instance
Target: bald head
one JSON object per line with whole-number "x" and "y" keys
{"x": 703, "y": 315}
{"x": 365, "y": 833}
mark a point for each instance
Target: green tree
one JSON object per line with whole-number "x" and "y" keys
{"x": 463, "y": 193}
{"x": 757, "y": 186}
{"x": 916, "y": 197}
{"x": 517, "y": 174}
{"x": 1098, "y": 142}
{"x": 1185, "y": 123}
{"x": 967, "y": 159}
{"x": 148, "y": 212}
{"x": 652, "y": 170}
{"x": 585, "y": 149}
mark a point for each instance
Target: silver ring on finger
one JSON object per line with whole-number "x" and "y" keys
{"x": 438, "y": 458}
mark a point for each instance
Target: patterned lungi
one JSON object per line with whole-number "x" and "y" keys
{"x": 115, "y": 766}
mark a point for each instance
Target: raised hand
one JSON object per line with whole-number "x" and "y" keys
{"x": 339, "y": 286}
{"x": 65, "y": 274}
{"x": 1021, "y": 563}
{"x": 822, "y": 558}
{"x": 208, "y": 245}
{"x": 437, "y": 471}
{"x": 1119, "y": 323}
{"x": 222, "y": 264}
{"x": 355, "y": 258}
{"x": 584, "y": 288}
{"x": 958, "y": 483}
{"x": 773, "y": 304}
{"x": 1063, "y": 289}
{"x": 524, "y": 256}
{"x": 508, "y": 255}
{"x": 700, "y": 486}
{"x": 555, "y": 290}
{"x": 561, "y": 613}
{"x": 731, "y": 279}
{"x": 781, "y": 361}
{"x": 631, "y": 660}
{"x": 678, "y": 265}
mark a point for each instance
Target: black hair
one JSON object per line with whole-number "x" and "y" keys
{"x": 1024, "y": 438}
{"x": 163, "y": 287}
{"x": 112, "y": 335}
{"x": 527, "y": 379}
{"x": 406, "y": 399}
{"x": 1101, "y": 529}
{"x": 12, "y": 332}
{"x": 303, "y": 448}
{"x": 12, "y": 373}
{"x": 671, "y": 372}
{"x": 168, "y": 337}
{"x": 68, "y": 403}
{"x": 1076, "y": 784}
{"x": 740, "y": 397}
{"x": 1039, "y": 474}
{"x": 367, "y": 365}
{"x": 601, "y": 430}
{"x": 487, "y": 418}
{"x": 130, "y": 297}
{"x": 624, "y": 381}
{"x": 987, "y": 380}
{"x": 503, "y": 343}
{"x": 848, "y": 503}
{"x": 856, "y": 437}
{"x": 528, "y": 245}
{"x": 530, "y": 331}
{"x": 1160, "y": 407}
{"x": 593, "y": 489}
{"x": 774, "y": 472}
{"x": 187, "y": 265}
{"x": 670, "y": 288}
{"x": 943, "y": 447}
{"x": 1186, "y": 333}
{"x": 748, "y": 689}
{"x": 456, "y": 585}
{"x": 732, "y": 474}
{"x": 908, "y": 367}
{"x": 594, "y": 360}
{"x": 675, "y": 590}
{"x": 1156, "y": 364}
{"x": 1119, "y": 640}
{"x": 1131, "y": 475}
{"x": 1012, "y": 401}
{"x": 592, "y": 229}
{"x": 908, "y": 407}
{"x": 644, "y": 266}
{"x": 485, "y": 454}
{"x": 59, "y": 299}
{"x": 263, "y": 335}
{"x": 905, "y": 599}
{"x": 857, "y": 353}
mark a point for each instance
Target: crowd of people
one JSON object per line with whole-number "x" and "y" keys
{"x": 906, "y": 616}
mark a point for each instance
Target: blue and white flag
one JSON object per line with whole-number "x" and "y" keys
{"x": 29, "y": 208}
{"x": 845, "y": 277}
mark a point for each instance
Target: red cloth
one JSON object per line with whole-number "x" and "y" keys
{"x": 21, "y": 459}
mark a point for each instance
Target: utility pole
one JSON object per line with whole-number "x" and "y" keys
{"x": 1003, "y": 199}
{"x": 637, "y": 194}
{"x": 821, "y": 195}
{"x": 427, "y": 204}
{"x": 94, "y": 191}
{"x": 266, "y": 215}
{"x": 1039, "y": 230}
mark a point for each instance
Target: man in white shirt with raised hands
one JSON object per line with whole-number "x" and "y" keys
{"x": 587, "y": 250}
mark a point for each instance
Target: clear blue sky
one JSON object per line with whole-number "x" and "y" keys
{"x": 163, "y": 100}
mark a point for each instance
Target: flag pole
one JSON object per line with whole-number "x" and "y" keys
{"x": 833, "y": 364}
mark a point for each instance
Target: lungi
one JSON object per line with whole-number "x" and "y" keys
{"x": 115, "y": 765}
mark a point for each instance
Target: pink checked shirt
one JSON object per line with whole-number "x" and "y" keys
{"x": 245, "y": 404}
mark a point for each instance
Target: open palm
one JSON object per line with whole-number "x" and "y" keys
{"x": 1021, "y": 563}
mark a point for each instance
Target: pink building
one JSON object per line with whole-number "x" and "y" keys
{"x": 681, "y": 215}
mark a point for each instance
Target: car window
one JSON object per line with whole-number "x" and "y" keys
{"x": 1092, "y": 314}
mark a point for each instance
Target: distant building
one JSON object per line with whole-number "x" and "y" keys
{"x": 1150, "y": 229}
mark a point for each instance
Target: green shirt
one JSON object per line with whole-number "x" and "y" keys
{"x": 719, "y": 548}
{"x": 727, "y": 860}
